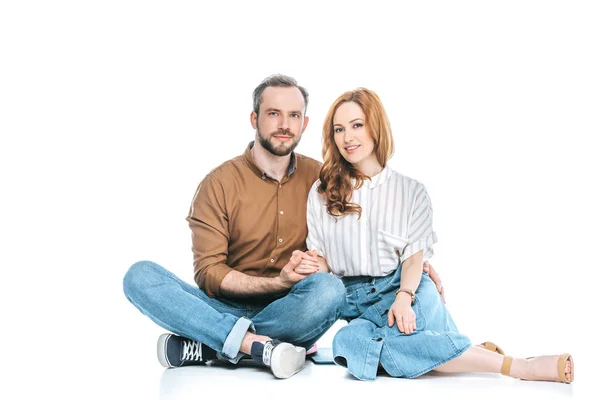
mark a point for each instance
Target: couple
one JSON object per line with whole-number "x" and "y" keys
{"x": 262, "y": 294}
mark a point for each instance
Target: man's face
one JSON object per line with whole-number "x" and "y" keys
{"x": 280, "y": 121}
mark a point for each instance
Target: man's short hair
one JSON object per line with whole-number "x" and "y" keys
{"x": 278, "y": 80}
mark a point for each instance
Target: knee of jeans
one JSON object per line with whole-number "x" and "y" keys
{"x": 328, "y": 291}
{"x": 139, "y": 276}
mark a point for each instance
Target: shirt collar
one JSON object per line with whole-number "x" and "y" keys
{"x": 380, "y": 178}
{"x": 257, "y": 170}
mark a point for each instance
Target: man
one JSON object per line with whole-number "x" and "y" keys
{"x": 259, "y": 292}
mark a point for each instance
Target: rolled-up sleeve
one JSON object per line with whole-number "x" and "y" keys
{"x": 209, "y": 223}
{"x": 420, "y": 230}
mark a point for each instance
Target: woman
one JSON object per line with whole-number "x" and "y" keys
{"x": 373, "y": 227}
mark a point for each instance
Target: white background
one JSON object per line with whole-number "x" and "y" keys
{"x": 112, "y": 112}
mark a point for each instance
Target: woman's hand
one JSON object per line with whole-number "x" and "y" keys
{"x": 309, "y": 263}
{"x": 402, "y": 313}
{"x": 322, "y": 263}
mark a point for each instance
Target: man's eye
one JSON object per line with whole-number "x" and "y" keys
{"x": 273, "y": 113}
{"x": 296, "y": 115}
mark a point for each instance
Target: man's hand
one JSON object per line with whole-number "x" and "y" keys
{"x": 428, "y": 268}
{"x": 299, "y": 267}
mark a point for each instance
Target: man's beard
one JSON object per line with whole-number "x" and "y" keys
{"x": 282, "y": 149}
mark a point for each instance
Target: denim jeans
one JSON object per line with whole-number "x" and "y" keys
{"x": 300, "y": 317}
{"x": 367, "y": 341}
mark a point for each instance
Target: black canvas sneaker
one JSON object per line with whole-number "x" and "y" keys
{"x": 177, "y": 351}
{"x": 284, "y": 359}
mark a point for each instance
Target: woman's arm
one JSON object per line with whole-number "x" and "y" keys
{"x": 315, "y": 239}
{"x": 410, "y": 278}
{"x": 401, "y": 311}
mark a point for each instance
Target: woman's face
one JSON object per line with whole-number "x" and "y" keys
{"x": 353, "y": 139}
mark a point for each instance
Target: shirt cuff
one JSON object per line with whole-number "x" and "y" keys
{"x": 425, "y": 244}
{"x": 213, "y": 279}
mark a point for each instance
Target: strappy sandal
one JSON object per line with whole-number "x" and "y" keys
{"x": 561, "y": 364}
{"x": 492, "y": 347}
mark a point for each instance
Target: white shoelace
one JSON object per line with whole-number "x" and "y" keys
{"x": 192, "y": 350}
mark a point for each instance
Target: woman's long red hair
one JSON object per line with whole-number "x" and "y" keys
{"x": 337, "y": 173}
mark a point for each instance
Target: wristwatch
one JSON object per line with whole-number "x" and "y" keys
{"x": 405, "y": 290}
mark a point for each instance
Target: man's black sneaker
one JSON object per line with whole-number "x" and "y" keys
{"x": 284, "y": 359}
{"x": 177, "y": 351}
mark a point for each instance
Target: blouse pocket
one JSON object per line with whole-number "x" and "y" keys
{"x": 390, "y": 247}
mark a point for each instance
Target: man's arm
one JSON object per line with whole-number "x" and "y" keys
{"x": 238, "y": 284}
{"x": 209, "y": 222}
{"x": 428, "y": 268}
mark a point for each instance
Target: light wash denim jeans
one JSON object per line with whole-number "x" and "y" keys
{"x": 300, "y": 317}
{"x": 367, "y": 341}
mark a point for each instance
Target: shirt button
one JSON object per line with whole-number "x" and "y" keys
{"x": 280, "y": 240}
{"x": 386, "y": 311}
{"x": 373, "y": 290}
{"x": 272, "y": 260}
{"x": 281, "y": 212}
{"x": 379, "y": 339}
{"x": 370, "y": 280}
{"x": 263, "y": 177}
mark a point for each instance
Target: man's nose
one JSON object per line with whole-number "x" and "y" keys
{"x": 284, "y": 123}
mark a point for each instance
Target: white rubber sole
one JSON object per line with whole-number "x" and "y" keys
{"x": 287, "y": 360}
{"x": 161, "y": 350}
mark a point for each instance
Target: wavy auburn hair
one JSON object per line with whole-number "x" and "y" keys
{"x": 337, "y": 173}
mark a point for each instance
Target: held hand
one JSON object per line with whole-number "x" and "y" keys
{"x": 402, "y": 313}
{"x": 428, "y": 268}
{"x": 309, "y": 263}
{"x": 323, "y": 267}
{"x": 298, "y": 268}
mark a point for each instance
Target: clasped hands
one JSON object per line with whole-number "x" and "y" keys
{"x": 301, "y": 265}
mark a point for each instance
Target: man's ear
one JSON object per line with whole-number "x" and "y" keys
{"x": 305, "y": 124}
{"x": 253, "y": 119}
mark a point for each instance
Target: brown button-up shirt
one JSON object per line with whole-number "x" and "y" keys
{"x": 242, "y": 219}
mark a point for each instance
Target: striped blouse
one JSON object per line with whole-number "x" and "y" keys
{"x": 396, "y": 223}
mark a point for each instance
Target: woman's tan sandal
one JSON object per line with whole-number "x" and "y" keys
{"x": 561, "y": 365}
{"x": 492, "y": 347}
{"x": 506, "y": 363}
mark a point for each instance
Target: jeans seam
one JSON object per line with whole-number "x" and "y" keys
{"x": 386, "y": 348}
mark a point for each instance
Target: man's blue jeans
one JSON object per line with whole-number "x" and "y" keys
{"x": 300, "y": 317}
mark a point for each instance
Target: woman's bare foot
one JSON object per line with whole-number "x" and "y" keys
{"x": 542, "y": 368}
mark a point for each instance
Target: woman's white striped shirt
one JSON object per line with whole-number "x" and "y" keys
{"x": 396, "y": 223}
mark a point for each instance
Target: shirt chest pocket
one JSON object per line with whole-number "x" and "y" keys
{"x": 390, "y": 247}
